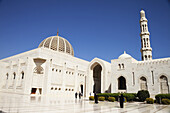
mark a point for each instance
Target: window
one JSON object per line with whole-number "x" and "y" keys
{"x": 143, "y": 27}
{"x": 133, "y": 78}
{"x": 143, "y": 83}
{"x": 119, "y": 66}
{"x": 152, "y": 76}
{"x": 145, "y": 57}
{"x": 122, "y": 66}
{"x": 164, "y": 84}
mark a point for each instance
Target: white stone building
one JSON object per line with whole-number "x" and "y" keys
{"x": 52, "y": 69}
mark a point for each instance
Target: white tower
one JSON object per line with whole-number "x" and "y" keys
{"x": 146, "y": 49}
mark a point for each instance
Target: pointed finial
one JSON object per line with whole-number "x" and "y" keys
{"x": 57, "y": 32}
{"x": 124, "y": 52}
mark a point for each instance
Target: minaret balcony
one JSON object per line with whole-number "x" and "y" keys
{"x": 144, "y": 33}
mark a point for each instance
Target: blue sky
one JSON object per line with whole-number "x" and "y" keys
{"x": 95, "y": 28}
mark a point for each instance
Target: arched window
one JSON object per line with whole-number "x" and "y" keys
{"x": 147, "y": 42}
{"x": 122, "y": 66}
{"x": 119, "y": 66}
{"x": 149, "y": 56}
{"x": 145, "y": 57}
{"x": 121, "y": 83}
{"x": 143, "y": 83}
{"x": 144, "y": 42}
{"x": 14, "y": 75}
{"x": 143, "y": 27}
{"x": 22, "y": 73}
{"x": 164, "y": 84}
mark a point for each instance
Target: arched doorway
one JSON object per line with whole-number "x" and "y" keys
{"x": 143, "y": 83}
{"x": 121, "y": 83}
{"x": 81, "y": 87}
{"x": 97, "y": 78}
{"x": 164, "y": 84}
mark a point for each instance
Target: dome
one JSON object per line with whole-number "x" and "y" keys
{"x": 124, "y": 56}
{"x": 57, "y": 43}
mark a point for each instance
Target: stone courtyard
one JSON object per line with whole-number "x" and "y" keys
{"x": 14, "y": 103}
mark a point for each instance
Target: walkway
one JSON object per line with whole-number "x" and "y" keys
{"x": 27, "y": 104}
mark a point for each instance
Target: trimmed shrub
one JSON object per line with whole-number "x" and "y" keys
{"x": 166, "y": 101}
{"x": 101, "y": 98}
{"x": 111, "y": 99}
{"x": 91, "y": 97}
{"x": 162, "y": 96}
{"x": 149, "y": 100}
{"x": 107, "y": 95}
{"x": 129, "y": 96}
{"x": 143, "y": 94}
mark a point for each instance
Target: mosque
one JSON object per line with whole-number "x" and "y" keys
{"x": 52, "y": 69}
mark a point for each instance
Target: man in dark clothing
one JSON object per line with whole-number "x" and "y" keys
{"x": 76, "y": 95}
{"x": 95, "y": 98}
{"x": 121, "y": 101}
{"x": 79, "y": 95}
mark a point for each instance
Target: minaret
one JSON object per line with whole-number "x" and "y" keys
{"x": 146, "y": 49}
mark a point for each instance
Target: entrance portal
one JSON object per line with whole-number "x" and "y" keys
{"x": 97, "y": 78}
{"x": 81, "y": 86}
{"x": 121, "y": 83}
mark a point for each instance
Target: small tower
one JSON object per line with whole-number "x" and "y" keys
{"x": 146, "y": 49}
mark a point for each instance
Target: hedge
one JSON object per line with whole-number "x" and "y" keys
{"x": 128, "y": 96}
{"x": 107, "y": 95}
{"x": 149, "y": 100}
{"x": 111, "y": 99}
{"x": 101, "y": 98}
{"x": 91, "y": 97}
{"x": 161, "y": 96}
{"x": 166, "y": 101}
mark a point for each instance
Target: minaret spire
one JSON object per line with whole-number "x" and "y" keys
{"x": 146, "y": 49}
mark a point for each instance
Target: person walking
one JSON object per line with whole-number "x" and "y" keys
{"x": 76, "y": 95}
{"x": 95, "y": 98}
{"x": 121, "y": 100}
{"x": 79, "y": 95}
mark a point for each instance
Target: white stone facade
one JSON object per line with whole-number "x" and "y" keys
{"x": 52, "y": 69}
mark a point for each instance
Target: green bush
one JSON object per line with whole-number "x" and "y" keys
{"x": 149, "y": 100}
{"x": 143, "y": 94}
{"x": 166, "y": 101}
{"x": 162, "y": 96}
{"x": 101, "y": 98}
{"x": 129, "y": 96}
{"x": 91, "y": 97}
{"x": 111, "y": 99}
{"x": 107, "y": 95}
